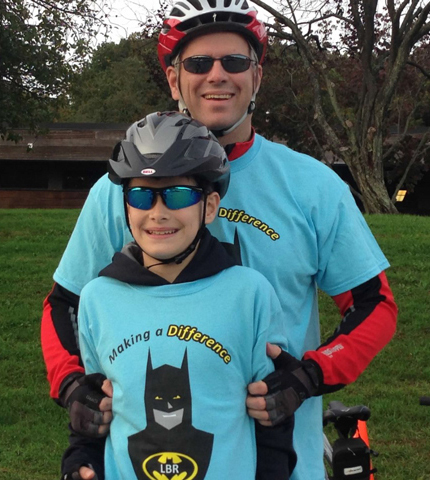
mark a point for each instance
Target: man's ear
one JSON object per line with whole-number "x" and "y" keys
{"x": 258, "y": 78}
{"x": 172, "y": 79}
{"x": 212, "y": 204}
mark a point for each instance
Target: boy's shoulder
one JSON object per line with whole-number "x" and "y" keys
{"x": 98, "y": 284}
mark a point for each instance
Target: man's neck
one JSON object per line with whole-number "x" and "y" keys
{"x": 242, "y": 133}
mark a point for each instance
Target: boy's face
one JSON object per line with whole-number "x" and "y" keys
{"x": 163, "y": 233}
{"x": 217, "y": 98}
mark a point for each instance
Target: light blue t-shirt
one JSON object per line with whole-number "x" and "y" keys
{"x": 289, "y": 217}
{"x": 180, "y": 358}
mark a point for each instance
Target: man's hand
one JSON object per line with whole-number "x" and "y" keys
{"x": 89, "y": 401}
{"x": 281, "y": 393}
{"x": 81, "y": 473}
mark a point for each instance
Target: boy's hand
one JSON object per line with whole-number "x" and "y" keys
{"x": 281, "y": 393}
{"x": 89, "y": 401}
{"x": 84, "y": 473}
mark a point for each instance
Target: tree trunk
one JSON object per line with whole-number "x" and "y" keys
{"x": 372, "y": 188}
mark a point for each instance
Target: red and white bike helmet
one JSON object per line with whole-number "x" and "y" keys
{"x": 191, "y": 18}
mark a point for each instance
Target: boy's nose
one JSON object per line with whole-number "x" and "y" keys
{"x": 158, "y": 208}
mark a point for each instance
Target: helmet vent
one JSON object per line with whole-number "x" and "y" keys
{"x": 196, "y": 4}
{"x": 212, "y": 3}
{"x": 183, "y": 5}
{"x": 208, "y": 18}
{"x": 227, "y": 3}
{"x": 175, "y": 13}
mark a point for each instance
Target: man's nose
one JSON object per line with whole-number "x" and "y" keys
{"x": 217, "y": 72}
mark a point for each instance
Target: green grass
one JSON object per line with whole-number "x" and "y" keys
{"x": 33, "y": 431}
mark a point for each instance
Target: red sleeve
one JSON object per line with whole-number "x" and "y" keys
{"x": 59, "y": 337}
{"x": 369, "y": 322}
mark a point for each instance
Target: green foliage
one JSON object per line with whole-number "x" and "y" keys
{"x": 41, "y": 43}
{"x": 122, "y": 83}
{"x": 34, "y": 430}
{"x": 398, "y": 376}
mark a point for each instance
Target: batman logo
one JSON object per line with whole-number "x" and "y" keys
{"x": 170, "y": 466}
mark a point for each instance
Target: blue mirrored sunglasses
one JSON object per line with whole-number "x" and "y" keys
{"x": 175, "y": 197}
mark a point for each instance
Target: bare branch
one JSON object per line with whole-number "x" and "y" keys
{"x": 402, "y": 136}
{"x": 420, "y": 68}
{"x": 408, "y": 18}
{"x": 418, "y": 152}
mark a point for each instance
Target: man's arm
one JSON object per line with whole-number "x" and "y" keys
{"x": 369, "y": 316}
{"x": 87, "y": 397}
{"x": 59, "y": 332}
{"x": 369, "y": 322}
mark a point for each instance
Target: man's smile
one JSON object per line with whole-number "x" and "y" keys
{"x": 212, "y": 96}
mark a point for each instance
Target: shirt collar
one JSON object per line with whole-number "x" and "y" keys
{"x": 236, "y": 150}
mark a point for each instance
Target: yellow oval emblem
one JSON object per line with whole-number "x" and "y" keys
{"x": 170, "y": 466}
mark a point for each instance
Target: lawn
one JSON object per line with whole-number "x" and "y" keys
{"x": 33, "y": 428}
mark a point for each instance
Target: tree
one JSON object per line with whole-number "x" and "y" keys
{"x": 122, "y": 83}
{"x": 41, "y": 43}
{"x": 375, "y": 45}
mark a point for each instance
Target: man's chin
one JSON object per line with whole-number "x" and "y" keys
{"x": 215, "y": 122}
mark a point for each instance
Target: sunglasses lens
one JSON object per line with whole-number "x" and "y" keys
{"x": 230, "y": 63}
{"x": 176, "y": 198}
{"x": 198, "y": 64}
{"x": 140, "y": 198}
{"x": 235, "y": 63}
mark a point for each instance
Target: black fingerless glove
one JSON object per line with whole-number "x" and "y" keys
{"x": 82, "y": 397}
{"x": 290, "y": 385}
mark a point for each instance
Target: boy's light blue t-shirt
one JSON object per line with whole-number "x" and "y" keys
{"x": 286, "y": 215}
{"x": 129, "y": 333}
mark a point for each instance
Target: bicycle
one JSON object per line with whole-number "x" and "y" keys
{"x": 349, "y": 458}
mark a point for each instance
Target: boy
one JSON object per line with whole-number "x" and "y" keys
{"x": 175, "y": 326}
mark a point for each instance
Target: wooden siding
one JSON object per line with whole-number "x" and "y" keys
{"x": 42, "y": 199}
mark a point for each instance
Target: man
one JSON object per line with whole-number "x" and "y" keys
{"x": 286, "y": 215}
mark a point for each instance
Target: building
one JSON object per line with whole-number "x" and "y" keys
{"x": 55, "y": 170}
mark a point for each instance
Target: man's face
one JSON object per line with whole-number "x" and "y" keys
{"x": 217, "y": 98}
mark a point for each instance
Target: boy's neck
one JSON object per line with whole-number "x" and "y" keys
{"x": 168, "y": 271}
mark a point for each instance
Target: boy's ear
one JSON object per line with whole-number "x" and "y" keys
{"x": 172, "y": 79}
{"x": 212, "y": 204}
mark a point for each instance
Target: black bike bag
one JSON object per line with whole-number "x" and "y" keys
{"x": 351, "y": 459}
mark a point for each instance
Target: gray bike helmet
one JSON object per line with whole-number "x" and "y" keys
{"x": 170, "y": 144}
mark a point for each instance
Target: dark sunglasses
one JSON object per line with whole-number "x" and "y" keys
{"x": 175, "y": 197}
{"x": 204, "y": 63}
